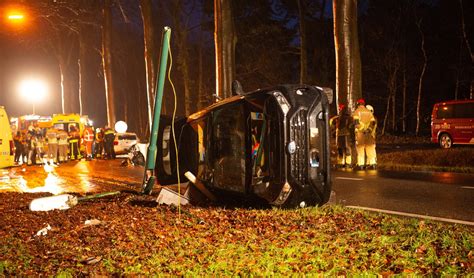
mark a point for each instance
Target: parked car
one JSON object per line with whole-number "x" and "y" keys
{"x": 124, "y": 141}
{"x": 452, "y": 122}
{"x": 270, "y": 145}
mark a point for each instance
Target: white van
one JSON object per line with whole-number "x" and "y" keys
{"x": 7, "y": 149}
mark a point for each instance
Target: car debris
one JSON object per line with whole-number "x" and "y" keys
{"x": 63, "y": 201}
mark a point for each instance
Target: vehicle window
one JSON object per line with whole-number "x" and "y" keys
{"x": 228, "y": 148}
{"x": 127, "y": 137}
{"x": 166, "y": 150}
{"x": 445, "y": 111}
{"x": 464, "y": 110}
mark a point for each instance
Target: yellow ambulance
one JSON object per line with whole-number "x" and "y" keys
{"x": 7, "y": 148}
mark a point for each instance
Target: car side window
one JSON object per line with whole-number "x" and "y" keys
{"x": 228, "y": 148}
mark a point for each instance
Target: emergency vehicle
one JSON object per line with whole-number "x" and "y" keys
{"x": 7, "y": 148}
{"x": 452, "y": 122}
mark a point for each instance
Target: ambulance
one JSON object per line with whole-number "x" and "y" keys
{"x": 7, "y": 149}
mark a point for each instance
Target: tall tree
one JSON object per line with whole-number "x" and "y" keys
{"x": 107, "y": 61}
{"x": 303, "y": 49}
{"x": 422, "y": 75}
{"x": 346, "y": 43}
{"x": 146, "y": 8}
{"x": 225, "y": 40}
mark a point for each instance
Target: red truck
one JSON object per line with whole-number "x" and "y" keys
{"x": 452, "y": 122}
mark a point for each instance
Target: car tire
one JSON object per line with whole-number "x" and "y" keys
{"x": 445, "y": 141}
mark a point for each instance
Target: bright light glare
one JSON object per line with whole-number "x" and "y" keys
{"x": 15, "y": 17}
{"x": 121, "y": 127}
{"x": 33, "y": 90}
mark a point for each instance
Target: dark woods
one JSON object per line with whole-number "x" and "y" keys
{"x": 277, "y": 41}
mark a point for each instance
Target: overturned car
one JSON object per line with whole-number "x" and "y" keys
{"x": 269, "y": 145}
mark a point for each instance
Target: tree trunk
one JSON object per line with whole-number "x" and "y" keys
{"x": 183, "y": 57}
{"x": 468, "y": 45}
{"x": 225, "y": 40}
{"x": 61, "y": 74}
{"x": 146, "y": 8}
{"x": 303, "y": 51}
{"x": 80, "y": 85}
{"x": 404, "y": 101}
{"x": 346, "y": 42}
{"x": 107, "y": 62}
{"x": 422, "y": 75}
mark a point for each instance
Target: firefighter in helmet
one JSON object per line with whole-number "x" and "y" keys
{"x": 364, "y": 126}
{"x": 370, "y": 149}
{"x": 343, "y": 124}
{"x": 88, "y": 138}
{"x": 74, "y": 143}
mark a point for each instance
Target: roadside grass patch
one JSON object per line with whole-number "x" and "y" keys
{"x": 457, "y": 159}
{"x": 146, "y": 241}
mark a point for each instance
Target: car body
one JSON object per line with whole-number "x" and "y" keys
{"x": 452, "y": 122}
{"x": 7, "y": 148}
{"x": 270, "y": 145}
{"x": 124, "y": 141}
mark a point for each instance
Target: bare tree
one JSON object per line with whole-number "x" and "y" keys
{"x": 422, "y": 75}
{"x": 150, "y": 54}
{"x": 303, "y": 50}
{"x": 468, "y": 45}
{"x": 346, "y": 42}
{"x": 107, "y": 61}
{"x": 225, "y": 40}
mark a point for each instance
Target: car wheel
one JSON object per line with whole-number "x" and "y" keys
{"x": 445, "y": 141}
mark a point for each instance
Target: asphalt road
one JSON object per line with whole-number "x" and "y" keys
{"x": 449, "y": 196}
{"x": 445, "y": 195}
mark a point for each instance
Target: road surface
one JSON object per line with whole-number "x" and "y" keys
{"x": 440, "y": 195}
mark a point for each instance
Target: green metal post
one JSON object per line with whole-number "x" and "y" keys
{"x": 149, "y": 177}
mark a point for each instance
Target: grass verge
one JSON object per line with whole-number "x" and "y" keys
{"x": 142, "y": 240}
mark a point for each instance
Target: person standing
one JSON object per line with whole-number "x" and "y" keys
{"x": 88, "y": 138}
{"x": 39, "y": 148}
{"x": 99, "y": 142}
{"x": 343, "y": 123}
{"x": 109, "y": 137}
{"x": 74, "y": 144}
{"x": 18, "y": 147}
{"x": 364, "y": 123}
{"x": 52, "y": 138}
{"x": 371, "y": 140}
{"x": 63, "y": 145}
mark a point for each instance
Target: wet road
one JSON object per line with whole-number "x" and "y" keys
{"x": 445, "y": 195}
{"x": 72, "y": 177}
{"x": 441, "y": 195}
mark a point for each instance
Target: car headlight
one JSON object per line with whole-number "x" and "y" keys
{"x": 292, "y": 147}
{"x": 284, "y": 105}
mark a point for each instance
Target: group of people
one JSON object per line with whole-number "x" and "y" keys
{"x": 355, "y": 132}
{"x": 55, "y": 145}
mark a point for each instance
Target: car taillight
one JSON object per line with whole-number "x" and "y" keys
{"x": 12, "y": 148}
{"x": 115, "y": 143}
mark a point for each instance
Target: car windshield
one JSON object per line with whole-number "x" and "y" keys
{"x": 127, "y": 137}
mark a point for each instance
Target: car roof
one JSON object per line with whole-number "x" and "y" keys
{"x": 455, "y": 101}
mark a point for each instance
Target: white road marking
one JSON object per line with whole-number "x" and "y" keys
{"x": 352, "y": 179}
{"x": 456, "y": 221}
{"x": 468, "y": 187}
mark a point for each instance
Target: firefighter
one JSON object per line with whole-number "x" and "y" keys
{"x": 88, "y": 138}
{"x": 343, "y": 123}
{"x": 63, "y": 145}
{"x": 18, "y": 147}
{"x": 74, "y": 144}
{"x": 364, "y": 124}
{"x": 109, "y": 138}
{"x": 99, "y": 142}
{"x": 370, "y": 149}
{"x": 52, "y": 139}
{"x": 39, "y": 148}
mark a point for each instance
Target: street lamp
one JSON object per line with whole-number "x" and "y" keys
{"x": 33, "y": 91}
